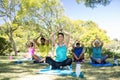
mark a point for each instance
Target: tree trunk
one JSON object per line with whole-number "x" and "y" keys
{"x": 14, "y": 46}
{"x": 12, "y": 40}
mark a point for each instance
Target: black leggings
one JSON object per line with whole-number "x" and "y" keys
{"x": 56, "y": 65}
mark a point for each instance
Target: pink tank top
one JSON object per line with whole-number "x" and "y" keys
{"x": 31, "y": 51}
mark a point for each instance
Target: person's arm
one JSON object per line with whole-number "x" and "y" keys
{"x": 73, "y": 45}
{"x": 75, "y": 56}
{"x": 92, "y": 43}
{"x": 67, "y": 38}
{"x": 52, "y": 37}
{"x": 35, "y": 40}
{"x": 81, "y": 55}
{"x": 101, "y": 43}
{"x": 27, "y": 43}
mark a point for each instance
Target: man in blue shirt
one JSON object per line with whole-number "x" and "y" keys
{"x": 96, "y": 56}
{"x": 78, "y": 52}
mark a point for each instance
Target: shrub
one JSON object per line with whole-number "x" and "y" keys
{"x": 5, "y": 46}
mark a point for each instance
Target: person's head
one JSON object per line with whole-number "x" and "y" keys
{"x": 96, "y": 43}
{"x": 31, "y": 44}
{"x": 42, "y": 40}
{"x": 60, "y": 37}
{"x": 77, "y": 44}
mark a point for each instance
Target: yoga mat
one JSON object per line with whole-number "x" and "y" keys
{"x": 19, "y": 61}
{"x": 101, "y": 65}
{"x": 55, "y": 72}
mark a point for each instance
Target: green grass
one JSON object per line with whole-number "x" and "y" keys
{"x": 27, "y": 71}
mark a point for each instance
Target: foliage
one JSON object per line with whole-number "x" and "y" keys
{"x": 85, "y": 32}
{"x": 46, "y": 14}
{"x": 108, "y": 52}
{"x": 8, "y": 9}
{"x": 29, "y": 17}
{"x": 114, "y": 47}
{"x": 5, "y": 46}
{"x": 26, "y": 71}
{"x": 94, "y": 3}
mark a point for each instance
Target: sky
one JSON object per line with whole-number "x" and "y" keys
{"x": 107, "y": 17}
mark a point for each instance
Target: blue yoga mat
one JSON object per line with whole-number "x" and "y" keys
{"x": 19, "y": 61}
{"x": 55, "y": 72}
{"x": 59, "y": 72}
{"x": 101, "y": 65}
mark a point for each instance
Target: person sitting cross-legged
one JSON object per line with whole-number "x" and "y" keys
{"x": 78, "y": 52}
{"x": 44, "y": 47}
{"x": 96, "y": 56}
{"x": 61, "y": 45}
{"x": 31, "y": 50}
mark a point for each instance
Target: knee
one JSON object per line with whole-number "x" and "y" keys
{"x": 33, "y": 56}
{"x": 99, "y": 60}
{"x": 48, "y": 58}
{"x": 91, "y": 58}
{"x": 70, "y": 60}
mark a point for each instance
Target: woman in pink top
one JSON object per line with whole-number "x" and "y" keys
{"x": 30, "y": 50}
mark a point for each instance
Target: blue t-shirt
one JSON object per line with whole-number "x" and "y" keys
{"x": 61, "y": 53}
{"x": 97, "y": 52}
{"x": 78, "y": 51}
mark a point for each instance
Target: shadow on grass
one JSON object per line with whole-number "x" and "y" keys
{"x": 99, "y": 73}
{"x": 24, "y": 66}
{"x": 70, "y": 78}
{"x": 10, "y": 70}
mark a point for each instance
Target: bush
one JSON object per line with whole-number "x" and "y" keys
{"x": 5, "y": 46}
{"x": 108, "y": 52}
{"x": 88, "y": 52}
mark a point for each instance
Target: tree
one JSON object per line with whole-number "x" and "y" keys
{"x": 47, "y": 15}
{"x": 94, "y": 3}
{"x": 85, "y": 31}
{"x": 24, "y": 19}
{"x": 8, "y": 10}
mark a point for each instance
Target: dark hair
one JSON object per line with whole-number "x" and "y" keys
{"x": 31, "y": 44}
{"x": 77, "y": 44}
{"x": 42, "y": 38}
{"x": 61, "y": 34}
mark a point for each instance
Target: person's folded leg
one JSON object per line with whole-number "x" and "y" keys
{"x": 94, "y": 60}
{"x": 54, "y": 64}
{"x": 103, "y": 59}
{"x": 81, "y": 58}
{"x": 66, "y": 62}
{"x": 35, "y": 57}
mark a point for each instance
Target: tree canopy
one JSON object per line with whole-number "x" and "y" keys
{"x": 94, "y": 3}
{"x": 25, "y": 19}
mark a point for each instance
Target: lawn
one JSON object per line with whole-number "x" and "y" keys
{"x": 27, "y": 71}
